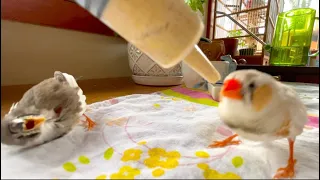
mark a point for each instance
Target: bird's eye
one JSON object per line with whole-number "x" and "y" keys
{"x": 252, "y": 85}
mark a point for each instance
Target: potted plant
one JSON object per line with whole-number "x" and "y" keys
{"x": 250, "y": 49}
{"x": 237, "y": 33}
{"x": 231, "y": 44}
{"x": 212, "y": 49}
{"x": 197, "y": 6}
{"x": 146, "y": 72}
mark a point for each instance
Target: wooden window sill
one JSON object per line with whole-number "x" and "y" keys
{"x": 287, "y": 73}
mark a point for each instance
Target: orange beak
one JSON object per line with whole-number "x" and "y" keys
{"x": 232, "y": 89}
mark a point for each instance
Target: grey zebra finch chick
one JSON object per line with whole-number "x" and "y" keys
{"x": 47, "y": 111}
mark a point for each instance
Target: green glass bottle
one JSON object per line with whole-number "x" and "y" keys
{"x": 292, "y": 37}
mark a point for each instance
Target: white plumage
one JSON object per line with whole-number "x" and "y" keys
{"x": 82, "y": 98}
{"x": 259, "y": 108}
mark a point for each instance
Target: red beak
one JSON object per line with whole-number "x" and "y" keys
{"x": 232, "y": 89}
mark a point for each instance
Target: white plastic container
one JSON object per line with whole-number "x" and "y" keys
{"x": 214, "y": 90}
{"x": 191, "y": 78}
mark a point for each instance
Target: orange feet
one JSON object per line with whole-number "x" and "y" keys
{"x": 289, "y": 171}
{"x": 90, "y": 123}
{"x": 226, "y": 142}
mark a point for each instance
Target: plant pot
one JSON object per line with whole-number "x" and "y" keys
{"x": 231, "y": 45}
{"x": 204, "y": 39}
{"x": 145, "y": 71}
{"x": 246, "y": 52}
{"x": 213, "y": 50}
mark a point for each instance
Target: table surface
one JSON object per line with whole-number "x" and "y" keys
{"x": 102, "y": 89}
{"x": 95, "y": 90}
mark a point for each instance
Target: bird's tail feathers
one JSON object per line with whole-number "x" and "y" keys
{"x": 73, "y": 83}
{"x": 71, "y": 80}
{"x": 65, "y": 77}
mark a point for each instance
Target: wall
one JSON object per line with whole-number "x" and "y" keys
{"x": 63, "y": 14}
{"x": 31, "y": 53}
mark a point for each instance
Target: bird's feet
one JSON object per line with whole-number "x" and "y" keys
{"x": 226, "y": 142}
{"x": 90, "y": 123}
{"x": 286, "y": 172}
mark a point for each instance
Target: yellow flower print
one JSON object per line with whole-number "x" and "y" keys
{"x": 214, "y": 174}
{"x": 237, "y": 161}
{"x": 142, "y": 142}
{"x": 159, "y": 157}
{"x": 102, "y": 176}
{"x": 169, "y": 98}
{"x": 125, "y": 172}
{"x": 117, "y": 121}
{"x": 158, "y": 172}
{"x": 202, "y": 154}
{"x": 131, "y": 155}
{"x": 157, "y": 105}
{"x": 175, "y": 99}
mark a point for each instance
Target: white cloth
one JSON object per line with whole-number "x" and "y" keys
{"x": 142, "y": 122}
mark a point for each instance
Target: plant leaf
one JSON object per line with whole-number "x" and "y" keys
{"x": 200, "y": 8}
{"x": 196, "y": 5}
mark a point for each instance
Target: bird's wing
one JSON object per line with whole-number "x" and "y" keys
{"x": 297, "y": 112}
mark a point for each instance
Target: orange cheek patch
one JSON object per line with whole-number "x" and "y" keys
{"x": 261, "y": 97}
{"x": 33, "y": 123}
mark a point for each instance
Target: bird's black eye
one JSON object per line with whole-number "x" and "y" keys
{"x": 252, "y": 85}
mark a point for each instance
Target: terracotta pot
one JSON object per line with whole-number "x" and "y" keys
{"x": 204, "y": 39}
{"x": 213, "y": 50}
{"x": 231, "y": 45}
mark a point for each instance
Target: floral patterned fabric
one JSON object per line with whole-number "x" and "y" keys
{"x": 162, "y": 135}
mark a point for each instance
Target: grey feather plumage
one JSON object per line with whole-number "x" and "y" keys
{"x": 42, "y": 100}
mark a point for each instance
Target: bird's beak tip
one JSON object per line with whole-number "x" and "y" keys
{"x": 232, "y": 89}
